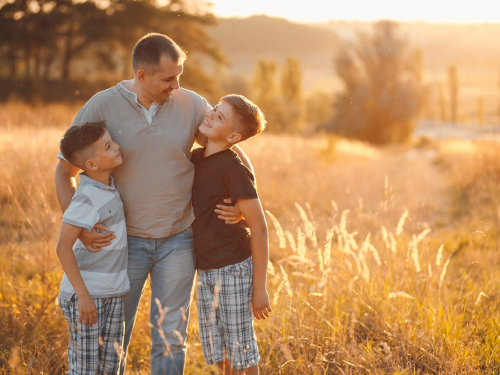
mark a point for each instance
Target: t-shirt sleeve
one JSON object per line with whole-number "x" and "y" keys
{"x": 196, "y": 155}
{"x": 240, "y": 183}
{"x": 81, "y": 213}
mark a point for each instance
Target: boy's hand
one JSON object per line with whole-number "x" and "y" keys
{"x": 98, "y": 238}
{"x": 230, "y": 214}
{"x": 87, "y": 309}
{"x": 261, "y": 308}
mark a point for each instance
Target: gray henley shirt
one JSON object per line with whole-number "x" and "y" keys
{"x": 156, "y": 177}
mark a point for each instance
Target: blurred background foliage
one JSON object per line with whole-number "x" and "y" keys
{"x": 66, "y": 50}
{"x": 369, "y": 81}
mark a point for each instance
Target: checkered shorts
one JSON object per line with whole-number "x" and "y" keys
{"x": 223, "y": 299}
{"x": 95, "y": 349}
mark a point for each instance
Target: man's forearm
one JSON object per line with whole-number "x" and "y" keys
{"x": 65, "y": 189}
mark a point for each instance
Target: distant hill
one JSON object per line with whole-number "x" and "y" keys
{"x": 474, "y": 49}
{"x": 244, "y": 40}
{"x": 266, "y": 35}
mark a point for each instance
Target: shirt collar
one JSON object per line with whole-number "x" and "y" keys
{"x": 132, "y": 96}
{"x": 87, "y": 180}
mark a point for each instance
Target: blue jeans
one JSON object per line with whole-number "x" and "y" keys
{"x": 170, "y": 262}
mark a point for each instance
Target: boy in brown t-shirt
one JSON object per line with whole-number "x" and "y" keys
{"x": 231, "y": 259}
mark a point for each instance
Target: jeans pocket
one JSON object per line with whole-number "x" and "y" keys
{"x": 189, "y": 232}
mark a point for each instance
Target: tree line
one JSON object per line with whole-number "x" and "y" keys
{"x": 45, "y": 39}
{"x": 43, "y": 43}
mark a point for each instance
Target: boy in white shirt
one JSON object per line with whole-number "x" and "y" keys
{"x": 93, "y": 283}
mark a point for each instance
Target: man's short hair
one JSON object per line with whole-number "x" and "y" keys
{"x": 151, "y": 48}
{"x": 248, "y": 119}
{"x": 77, "y": 143}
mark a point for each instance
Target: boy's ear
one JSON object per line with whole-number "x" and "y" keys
{"x": 234, "y": 138}
{"x": 89, "y": 164}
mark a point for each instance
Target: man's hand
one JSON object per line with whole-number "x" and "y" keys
{"x": 230, "y": 214}
{"x": 261, "y": 307}
{"x": 87, "y": 309}
{"x": 98, "y": 238}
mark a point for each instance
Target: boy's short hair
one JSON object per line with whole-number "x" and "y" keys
{"x": 248, "y": 119}
{"x": 151, "y": 48}
{"x": 76, "y": 143}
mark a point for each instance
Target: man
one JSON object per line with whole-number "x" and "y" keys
{"x": 155, "y": 123}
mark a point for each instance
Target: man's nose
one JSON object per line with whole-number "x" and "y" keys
{"x": 175, "y": 84}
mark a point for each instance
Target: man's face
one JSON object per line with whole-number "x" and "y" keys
{"x": 107, "y": 154}
{"x": 217, "y": 125}
{"x": 159, "y": 87}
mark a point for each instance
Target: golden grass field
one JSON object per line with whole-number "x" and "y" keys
{"x": 383, "y": 260}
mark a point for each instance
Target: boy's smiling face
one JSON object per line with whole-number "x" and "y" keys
{"x": 107, "y": 154}
{"x": 217, "y": 125}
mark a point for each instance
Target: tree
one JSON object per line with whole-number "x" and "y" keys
{"x": 382, "y": 94}
{"x": 291, "y": 92}
{"x": 453, "y": 88}
{"x": 498, "y": 105}
{"x": 443, "y": 114}
{"x": 319, "y": 107}
{"x": 265, "y": 91}
{"x": 38, "y": 37}
{"x": 281, "y": 104}
{"x": 33, "y": 31}
{"x": 84, "y": 24}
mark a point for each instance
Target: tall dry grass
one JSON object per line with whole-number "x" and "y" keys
{"x": 365, "y": 276}
{"x": 475, "y": 169}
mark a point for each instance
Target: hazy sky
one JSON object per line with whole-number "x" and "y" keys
{"x": 405, "y": 10}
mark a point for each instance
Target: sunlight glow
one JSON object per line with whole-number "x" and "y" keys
{"x": 446, "y": 11}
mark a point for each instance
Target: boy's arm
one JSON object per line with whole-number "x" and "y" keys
{"x": 256, "y": 221}
{"x": 86, "y": 305}
{"x": 65, "y": 190}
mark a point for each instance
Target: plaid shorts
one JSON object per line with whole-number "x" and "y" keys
{"x": 223, "y": 299}
{"x": 95, "y": 349}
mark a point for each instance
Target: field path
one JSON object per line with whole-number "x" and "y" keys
{"x": 353, "y": 175}
{"x": 419, "y": 185}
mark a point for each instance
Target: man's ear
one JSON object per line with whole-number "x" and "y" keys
{"x": 234, "y": 138}
{"x": 141, "y": 76}
{"x": 89, "y": 164}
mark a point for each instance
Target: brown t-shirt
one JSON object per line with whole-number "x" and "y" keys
{"x": 219, "y": 176}
{"x": 156, "y": 177}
